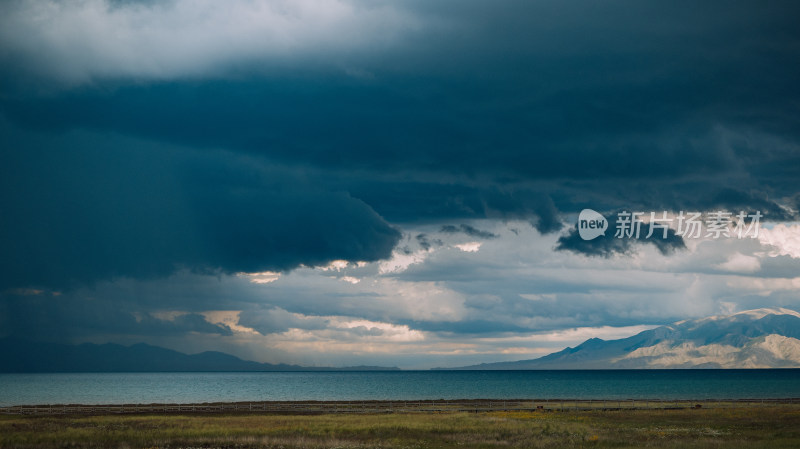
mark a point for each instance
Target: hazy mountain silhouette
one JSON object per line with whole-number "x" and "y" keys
{"x": 22, "y": 356}
{"x": 761, "y": 338}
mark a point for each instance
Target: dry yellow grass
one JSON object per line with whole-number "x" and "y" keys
{"x": 767, "y": 427}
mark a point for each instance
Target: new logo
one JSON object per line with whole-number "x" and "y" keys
{"x": 591, "y": 224}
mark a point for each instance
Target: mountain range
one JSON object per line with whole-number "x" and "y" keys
{"x": 760, "y": 338}
{"x": 21, "y": 356}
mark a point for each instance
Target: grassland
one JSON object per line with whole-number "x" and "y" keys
{"x": 763, "y": 427}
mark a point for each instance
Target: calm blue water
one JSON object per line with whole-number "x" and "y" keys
{"x": 142, "y": 388}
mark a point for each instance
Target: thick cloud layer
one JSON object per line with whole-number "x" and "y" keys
{"x": 83, "y": 207}
{"x": 160, "y": 146}
{"x": 608, "y": 245}
{"x": 516, "y": 110}
{"x": 82, "y": 41}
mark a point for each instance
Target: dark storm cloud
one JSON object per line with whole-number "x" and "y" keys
{"x": 468, "y": 327}
{"x": 467, "y": 109}
{"x": 426, "y": 243}
{"x": 608, "y": 245}
{"x": 487, "y": 110}
{"x": 81, "y": 207}
{"x": 736, "y": 200}
{"x": 44, "y": 316}
{"x": 278, "y": 320}
{"x": 468, "y": 230}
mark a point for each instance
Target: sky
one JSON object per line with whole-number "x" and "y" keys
{"x": 396, "y": 183}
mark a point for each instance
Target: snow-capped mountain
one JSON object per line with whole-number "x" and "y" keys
{"x": 760, "y": 338}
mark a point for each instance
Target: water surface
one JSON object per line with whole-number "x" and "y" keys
{"x": 143, "y": 388}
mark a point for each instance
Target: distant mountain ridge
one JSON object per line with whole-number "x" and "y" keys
{"x": 22, "y": 356}
{"x": 760, "y": 338}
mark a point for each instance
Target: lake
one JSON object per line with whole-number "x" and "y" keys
{"x": 143, "y": 388}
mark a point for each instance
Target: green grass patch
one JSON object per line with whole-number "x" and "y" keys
{"x": 762, "y": 427}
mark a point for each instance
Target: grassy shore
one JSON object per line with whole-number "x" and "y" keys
{"x": 763, "y": 427}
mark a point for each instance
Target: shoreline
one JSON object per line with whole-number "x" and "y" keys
{"x": 395, "y": 406}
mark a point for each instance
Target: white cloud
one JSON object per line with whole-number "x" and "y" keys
{"x": 763, "y": 286}
{"x": 514, "y": 299}
{"x": 350, "y": 279}
{"x": 783, "y": 239}
{"x": 229, "y": 318}
{"x": 584, "y": 333}
{"x": 264, "y": 277}
{"x": 535, "y": 297}
{"x": 387, "y": 331}
{"x": 400, "y": 261}
{"x": 739, "y": 263}
{"x": 337, "y": 265}
{"x": 78, "y": 41}
{"x": 469, "y": 247}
